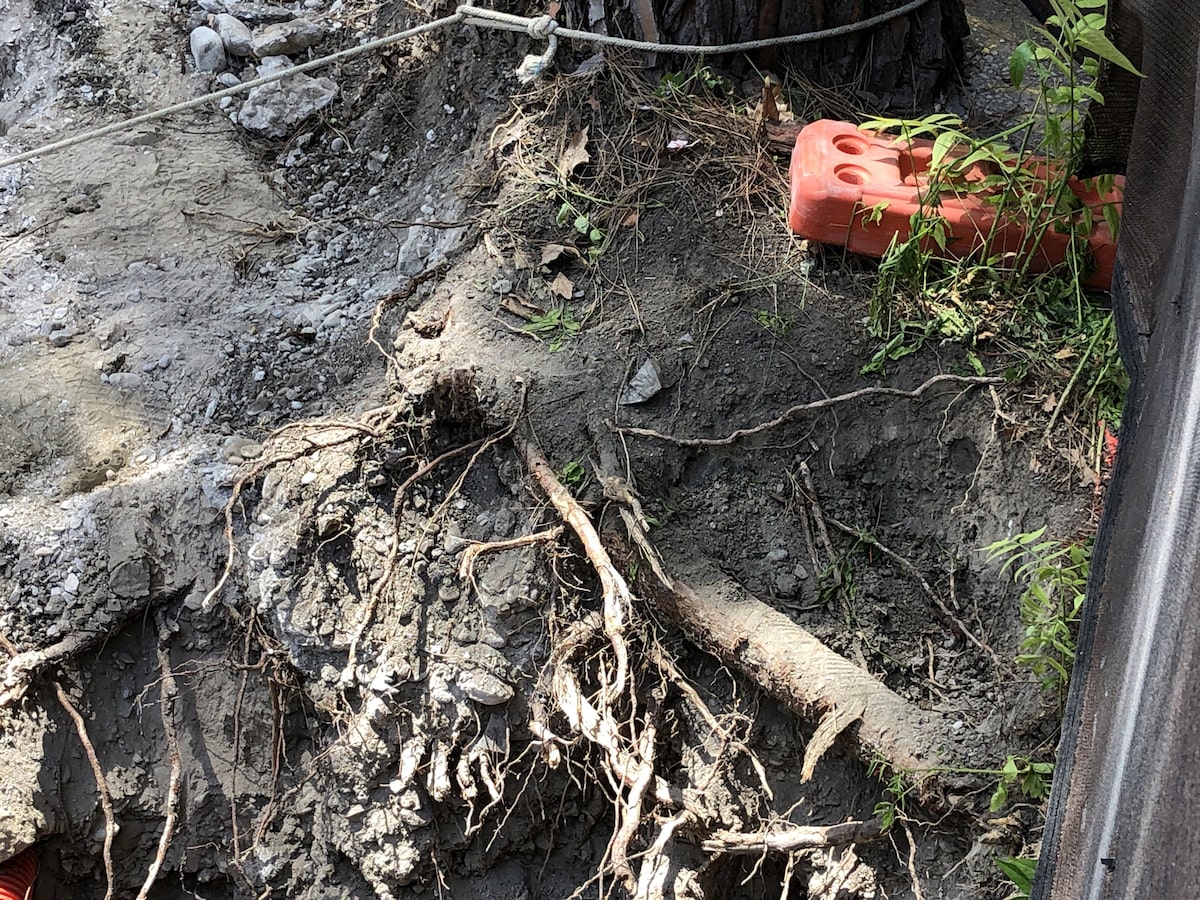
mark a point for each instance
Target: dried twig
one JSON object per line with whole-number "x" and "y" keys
{"x": 167, "y": 693}
{"x": 793, "y": 837}
{"x": 110, "y": 822}
{"x": 474, "y": 550}
{"x": 918, "y": 894}
{"x": 914, "y": 572}
{"x": 792, "y": 412}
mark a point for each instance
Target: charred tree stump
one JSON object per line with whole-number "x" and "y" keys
{"x": 900, "y": 64}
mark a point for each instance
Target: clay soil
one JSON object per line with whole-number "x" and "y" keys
{"x": 260, "y": 400}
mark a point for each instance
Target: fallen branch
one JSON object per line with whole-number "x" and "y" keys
{"x": 167, "y": 693}
{"x": 815, "y": 405}
{"x": 793, "y": 838}
{"x": 110, "y": 821}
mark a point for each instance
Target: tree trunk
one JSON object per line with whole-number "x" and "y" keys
{"x": 899, "y": 64}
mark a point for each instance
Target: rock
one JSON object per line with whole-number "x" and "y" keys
{"x": 249, "y": 12}
{"x": 286, "y": 38}
{"x": 777, "y": 555}
{"x": 273, "y": 110}
{"x": 207, "y": 49}
{"x": 81, "y": 203}
{"x": 485, "y": 688}
{"x": 130, "y": 579}
{"x": 787, "y": 585}
{"x": 235, "y": 34}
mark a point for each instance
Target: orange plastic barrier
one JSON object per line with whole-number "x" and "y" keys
{"x": 857, "y": 189}
{"x": 17, "y": 876}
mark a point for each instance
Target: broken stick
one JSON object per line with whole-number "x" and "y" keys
{"x": 793, "y": 837}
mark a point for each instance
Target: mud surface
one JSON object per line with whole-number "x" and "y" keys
{"x": 255, "y": 410}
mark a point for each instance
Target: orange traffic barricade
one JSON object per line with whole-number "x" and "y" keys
{"x": 858, "y": 190}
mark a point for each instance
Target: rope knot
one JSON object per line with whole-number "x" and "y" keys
{"x": 542, "y": 27}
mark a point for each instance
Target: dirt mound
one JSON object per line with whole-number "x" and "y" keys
{"x": 267, "y": 472}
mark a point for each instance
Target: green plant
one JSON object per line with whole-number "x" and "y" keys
{"x": 1019, "y": 871}
{"x": 1018, "y": 774}
{"x": 573, "y": 475}
{"x": 1055, "y": 575}
{"x": 1030, "y": 779}
{"x": 989, "y": 295}
{"x": 558, "y": 326}
{"x": 584, "y": 225}
{"x": 680, "y": 84}
{"x": 773, "y": 322}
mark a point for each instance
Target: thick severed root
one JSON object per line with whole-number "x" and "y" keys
{"x": 794, "y": 666}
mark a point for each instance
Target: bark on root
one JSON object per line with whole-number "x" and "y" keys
{"x": 792, "y": 665}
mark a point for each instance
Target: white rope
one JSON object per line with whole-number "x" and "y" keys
{"x": 542, "y": 27}
{"x": 491, "y": 18}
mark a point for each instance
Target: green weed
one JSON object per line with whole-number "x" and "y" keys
{"x": 989, "y": 296}
{"x": 1020, "y": 872}
{"x": 573, "y": 475}
{"x": 1030, "y": 779}
{"x": 557, "y": 327}
{"x": 773, "y": 322}
{"x": 1054, "y": 575}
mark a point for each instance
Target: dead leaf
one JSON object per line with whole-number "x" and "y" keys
{"x": 593, "y": 103}
{"x": 1050, "y": 403}
{"x": 1065, "y": 353}
{"x": 555, "y": 252}
{"x": 576, "y": 153}
{"x": 522, "y": 308}
{"x": 1088, "y": 477}
{"x": 553, "y": 9}
{"x": 521, "y": 259}
{"x": 562, "y": 286}
{"x": 768, "y": 111}
{"x": 630, "y": 219}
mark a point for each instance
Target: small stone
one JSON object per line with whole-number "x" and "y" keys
{"x": 207, "y": 49}
{"x": 337, "y": 145}
{"x": 71, "y": 583}
{"x": 273, "y": 110}
{"x": 787, "y": 585}
{"x": 234, "y": 33}
{"x": 125, "y": 381}
{"x": 228, "y": 79}
{"x": 777, "y": 555}
{"x": 286, "y": 38}
{"x": 81, "y": 203}
{"x": 800, "y": 572}
{"x": 485, "y": 688}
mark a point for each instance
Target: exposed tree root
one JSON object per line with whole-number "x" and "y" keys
{"x": 791, "y": 838}
{"x": 629, "y": 752}
{"x": 800, "y": 408}
{"x": 110, "y": 821}
{"x": 20, "y": 671}
{"x": 792, "y": 665}
{"x": 167, "y": 693}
